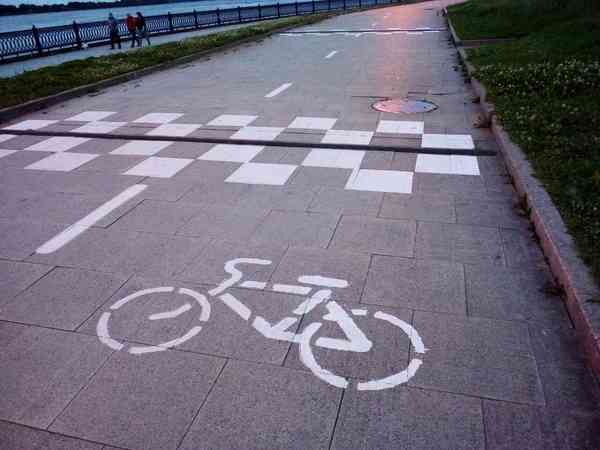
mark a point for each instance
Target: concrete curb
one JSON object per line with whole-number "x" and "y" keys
{"x": 12, "y": 112}
{"x": 558, "y": 246}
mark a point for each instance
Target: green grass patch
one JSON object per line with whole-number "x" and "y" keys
{"x": 546, "y": 88}
{"x": 479, "y": 19}
{"x": 53, "y": 80}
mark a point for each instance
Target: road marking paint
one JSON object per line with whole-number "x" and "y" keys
{"x": 79, "y": 227}
{"x": 291, "y": 289}
{"x": 330, "y": 55}
{"x": 254, "y": 284}
{"x": 139, "y": 350}
{"x": 323, "y": 281}
{"x": 359, "y": 312}
{"x": 171, "y": 314}
{"x": 279, "y": 90}
{"x": 238, "y": 307}
{"x": 311, "y": 303}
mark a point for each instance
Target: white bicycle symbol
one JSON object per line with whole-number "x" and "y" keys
{"x": 355, "y": 340}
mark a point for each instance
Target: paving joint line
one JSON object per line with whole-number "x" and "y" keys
{"x": 258, "y": 142}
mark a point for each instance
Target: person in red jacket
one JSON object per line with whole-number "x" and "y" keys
{"x": 131, "y": 27}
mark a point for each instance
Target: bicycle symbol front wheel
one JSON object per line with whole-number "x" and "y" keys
{"x": 308, "y": 359}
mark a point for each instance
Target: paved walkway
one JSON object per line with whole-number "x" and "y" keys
{"x": 168, "y": 293}
{"x": 18, "y": 67}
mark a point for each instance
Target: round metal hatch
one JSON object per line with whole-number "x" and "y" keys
{"x": 404, "y": 106}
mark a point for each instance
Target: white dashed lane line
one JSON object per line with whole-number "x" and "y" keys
{"x": 279, "y": 90}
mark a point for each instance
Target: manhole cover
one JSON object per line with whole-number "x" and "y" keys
{"x": 404, "y": 105}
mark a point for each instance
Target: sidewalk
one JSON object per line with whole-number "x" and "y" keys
{"x": 18, "y": 67}
{"x": 159, "y": 293}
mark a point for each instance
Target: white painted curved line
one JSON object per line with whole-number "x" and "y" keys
{"x": 142, "y": 349}
{"x": 392, "y": 380}
{"x": 412, "y": 334}
{"x": 308, "y": 359}
{"x": 202, "y": 301}
{"x": 137, "y": 294}
{"x": 318, "y": 280}
{"x": 331, "y": 54}
{"x": 104, "y": 335}
{"x": 171, "y": 314}
{"x": 79, "y": 227}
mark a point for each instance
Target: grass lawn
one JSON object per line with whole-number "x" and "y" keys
{"x": 546, "y": 88}
{"x": 52, "y": 80}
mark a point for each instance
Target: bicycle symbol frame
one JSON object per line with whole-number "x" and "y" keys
{"x": 355, "y": 340}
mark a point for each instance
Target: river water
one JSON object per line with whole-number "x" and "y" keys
{"x": 11, "y": 23}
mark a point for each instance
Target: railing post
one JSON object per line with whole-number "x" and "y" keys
{"x": 36, "y": 38}
{"x": 344, "y": 4}
{"x": 218, "y": 16}
{"x": 296, "y": 5}
{"x": 239, "y": 14}
{"x": 313, "y": 6}
{"x": 360, "y": 4}
{"x": 328, "y": 5}
{"x": 170, "y": 22}
{"x": 278, "y": 11}
{"x": 259, "y": 12}
{"x": 195, "y": 18}
{"x": 77, "y": 36}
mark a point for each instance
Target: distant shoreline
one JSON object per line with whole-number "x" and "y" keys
{"x": 12, "y": 10}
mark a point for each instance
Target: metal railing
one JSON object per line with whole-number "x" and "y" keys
{"x": 44, "y": 41}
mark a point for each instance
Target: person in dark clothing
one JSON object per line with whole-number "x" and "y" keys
{"x": 142, "y": 29}
{"x": 131, "y": 27}
{"x": 113, "y": 28}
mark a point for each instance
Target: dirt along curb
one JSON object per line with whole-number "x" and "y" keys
{"x": 557, "y": 244}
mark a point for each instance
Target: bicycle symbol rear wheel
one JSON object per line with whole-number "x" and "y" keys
{"x": 102, "y": 328}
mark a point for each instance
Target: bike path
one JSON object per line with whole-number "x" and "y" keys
{"x": 441, "y": 317}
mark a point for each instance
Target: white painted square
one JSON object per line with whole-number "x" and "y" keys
{"x": 158, "y": 118}
{"x": 6, "y": 137}
{"x": 174, "y": 129}
{"x": 400, "y": 127}
{"x": 30, "y": 125}
{"x": 91, "y": 116}
{"x": 141, "y": 148}
{"x": 6, "y": 152}
{"x": 159, "y": 167}
{"x": 347, "y": 137}
{"x": 258, "y": 133}
{"x": 325, "y": 157}
{"x": 394, "y": 181}
{"x": 313, "y": 123}
{"x": 451, "y": 141}
{"x": 232, "y": 153}
{"x": 447, "y": 164}
{"x": 232, "y": 120}
{"x": 261, "y": 173}
{"x": 57, "y": 144}
{"x": 464, "y": 165}
{"x": 99, "y": 127}
{"x": 62, "y": 162}
{"x": 433, "y": 164}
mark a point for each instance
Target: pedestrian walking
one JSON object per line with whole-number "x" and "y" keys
{"x": 113, "y": 28}
{"x": 142, "y": 29}
{"x": 131, "y": 27}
